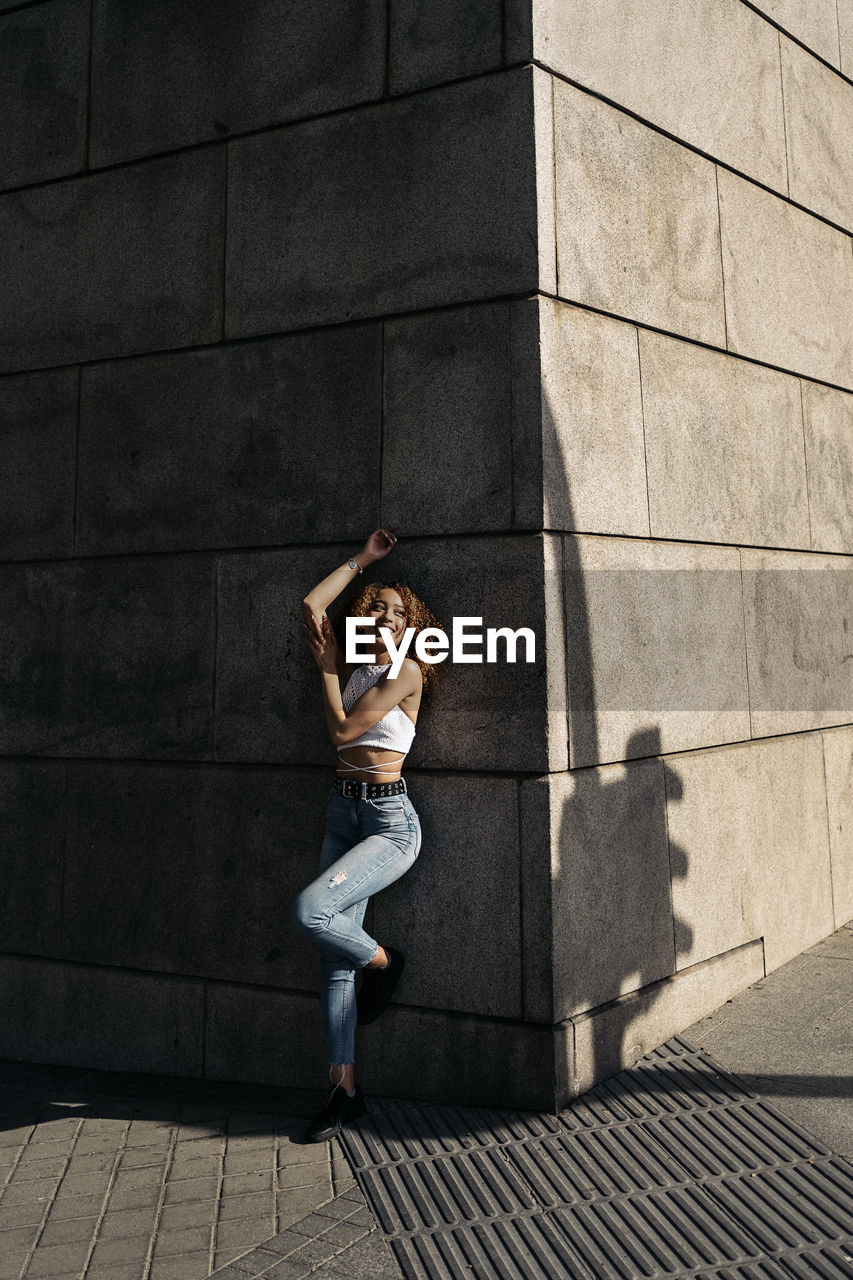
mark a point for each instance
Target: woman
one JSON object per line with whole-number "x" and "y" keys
{"x": 373, "y": 834}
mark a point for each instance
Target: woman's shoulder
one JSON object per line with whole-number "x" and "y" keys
{"x": 414, "y": 682}
{"x": 412, "y": 670}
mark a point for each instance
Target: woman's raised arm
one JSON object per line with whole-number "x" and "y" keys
{"x": 314, "y": 606}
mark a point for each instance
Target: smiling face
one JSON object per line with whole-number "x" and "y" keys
{"x": 389, "y": 611}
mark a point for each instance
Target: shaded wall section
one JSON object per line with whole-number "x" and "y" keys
{"x": 272, "y": 283}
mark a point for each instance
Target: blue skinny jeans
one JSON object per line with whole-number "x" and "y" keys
{"x": 367, "y": 845}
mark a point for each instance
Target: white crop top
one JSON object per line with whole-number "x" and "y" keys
{"x": 394, "y": 731}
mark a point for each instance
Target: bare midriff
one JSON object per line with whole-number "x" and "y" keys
{"x": 358, "y": 757}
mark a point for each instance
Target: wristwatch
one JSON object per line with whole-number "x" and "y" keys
{"x": 353, "y": 564}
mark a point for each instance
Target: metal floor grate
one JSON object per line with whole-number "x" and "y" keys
{"x": 672, "y": 1168}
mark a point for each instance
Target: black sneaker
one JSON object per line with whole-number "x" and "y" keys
{"x": 377, "y": 987}
{"x": 341, "y": 1109}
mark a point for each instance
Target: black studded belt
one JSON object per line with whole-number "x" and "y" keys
{"x": 369, "y": 790}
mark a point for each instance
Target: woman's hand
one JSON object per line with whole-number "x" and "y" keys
{"x": 324, "y": 647}
{"x": 380, "y": 542}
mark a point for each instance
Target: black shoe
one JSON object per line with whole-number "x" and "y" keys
{"x": 377, "y": 987}
{"x": 338, "y": 1111}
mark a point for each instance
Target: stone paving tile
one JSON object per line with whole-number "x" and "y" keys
{"x": 20, "y": 1215}
{"x": 343, "y": 1234}
{"x": 303, "y": 1176}
{"x": 104, "y": 1117}
{"x": 192, "y": 1266}
{"x": 73, "y": 1207}
{"x": 254, "y": 1205}
{"x": 19, "y": 1192}
{"x": 65, "y": 1275}
{"x": 119, "y": 1224}
{"x": 238, "y": 1234}
{"x": 195, "y": 1145}
{"x": 191, "y": 1189}
{"x": 314, "y": 1224}
{"x": 121, "y": 1252}
{"x": 190, "y": 1213}
{"x": 290, "y": 1152}
{"x": 299, "y": 1203}
{"x": 116, "y": 1271}
{"x": 337, "y": 1209}
{"x": 49, "y": 1259}
{"x": 142, "y": 1176}
{"x": 182, "y": 1168}
{"x": 64, "y": 1230}
{"x": 249, "y": 1160}
{"x": 314, "y": 1252}
{"x": 97, "y": 1162}
{"x": 134, "y": 1197}
{"x": 183, "y": 1240}
{"x": 54, "y": 1148}
{"x": 243, "y": 1138}
{"x": 38, "y": 1171}
{"x": 284, "y": 1270}
{"x": 143, "y": 1157}
{"x": 235, "y": 1184}
{"x": 89, "y": 1145}
{"x": 15, "y": 1239}
{"x": 11, "y": 1265}
{"x": 256, "y": 1262}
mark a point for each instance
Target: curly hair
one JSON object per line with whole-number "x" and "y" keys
{"x": 418, "y": 615}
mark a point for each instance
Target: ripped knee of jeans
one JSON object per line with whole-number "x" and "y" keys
{"x": 338, "y": 879}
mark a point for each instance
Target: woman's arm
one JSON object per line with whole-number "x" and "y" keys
{"x": 372, "y": 705}
{"x": 320, "y": 597}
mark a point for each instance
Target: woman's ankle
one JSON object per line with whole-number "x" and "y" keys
{"x": 342, "y": 1075}
{"x": 381, "y": 960}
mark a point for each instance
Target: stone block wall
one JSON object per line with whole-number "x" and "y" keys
{"x": 562, "y": 290}
{"x": 696, "y": 400}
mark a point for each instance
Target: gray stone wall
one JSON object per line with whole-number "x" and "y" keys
{"x": 562, "y": 290}
{"x": 696, "y": 408}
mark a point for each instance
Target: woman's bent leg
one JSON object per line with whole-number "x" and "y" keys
{"x": 321, "y": 910}
{"x": 331, "y": 909}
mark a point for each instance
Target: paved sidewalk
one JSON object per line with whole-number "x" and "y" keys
{"x": 138, "y": 1177}
{"x": 674, "y": 1168}
{"x": 790, "y": 1037}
